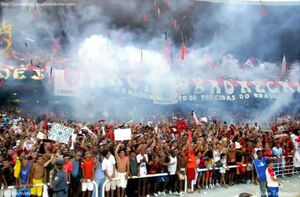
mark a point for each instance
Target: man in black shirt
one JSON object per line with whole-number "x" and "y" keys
{"x": 8, "y": 179}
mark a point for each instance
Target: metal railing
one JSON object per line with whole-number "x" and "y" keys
{"x": 281, "y": 169}
{"x": 139, "y": 177}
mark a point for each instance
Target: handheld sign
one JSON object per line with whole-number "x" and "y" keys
{"x": 122, "y": 134}
{"x": 60, "y": 133}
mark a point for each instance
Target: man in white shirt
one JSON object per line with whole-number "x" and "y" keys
{"x": 108, "y": 166}
{"x": 172, "y": 167}
{"x": 142, "y": 160}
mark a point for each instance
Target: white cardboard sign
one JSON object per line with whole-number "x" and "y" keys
{"x": 122, "y": 134}
{"x": 60, "y": 133}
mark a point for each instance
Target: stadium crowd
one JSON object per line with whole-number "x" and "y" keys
{"x": 202, "y": 152}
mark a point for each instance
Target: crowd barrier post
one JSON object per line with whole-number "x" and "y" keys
{"x": 96, "y": 188}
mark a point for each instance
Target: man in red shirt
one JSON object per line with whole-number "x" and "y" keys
{"x": 87, "y": 166}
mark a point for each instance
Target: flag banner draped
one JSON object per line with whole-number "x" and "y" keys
{"x": 5, "y": 39}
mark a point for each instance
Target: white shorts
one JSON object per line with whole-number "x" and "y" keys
{"x": 122, "y": 182}
{"x": 110, "y": 185}
{"x": 89, "y": 185}
{"x": 10, "y": 193}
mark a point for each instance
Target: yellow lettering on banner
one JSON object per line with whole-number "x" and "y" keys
{"x": 19, "y": 73}
{"x": 244, "y": 87}
{"x": 273, "y": 90}
{"x": 4, "y": 73}
{"x": 40, "y": 75}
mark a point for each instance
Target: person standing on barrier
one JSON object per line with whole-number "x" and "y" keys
{"x": 272, "y": 182}
{"x": 76, "y": 175}
{"x": 58, "y": 180}
{"x": 108, "y": 166}
{"x": 87, "y": 166}
{"x": 260, "y": 166}
{"x": 122, "y": 170}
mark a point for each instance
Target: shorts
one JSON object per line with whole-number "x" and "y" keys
{"x": 181, "y": 174}
{"x": 190, "y": 174}
{"x": 10, "y": 193}
{"x": 88, "y": 185}
{"x": 216, "y": 174}
{"x": 110, "y": 185}
{"x": 122, "y": 182}
{"x": 37, "y": 191}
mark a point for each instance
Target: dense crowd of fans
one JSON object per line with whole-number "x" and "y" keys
{"x": 204, "y": 153}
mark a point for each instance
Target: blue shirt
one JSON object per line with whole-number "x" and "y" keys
{"x": 99, "y": 173}
{"x": 25, "y": 173}
{"x": 76, "y": 166}
{"x": 260, "y": 167}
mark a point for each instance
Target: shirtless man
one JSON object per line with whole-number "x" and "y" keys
{"x": 37, "y": 176}
{"x": 182, "y": 160}
{"x": 231, "y": 162}
{"x": 122, "y": 170}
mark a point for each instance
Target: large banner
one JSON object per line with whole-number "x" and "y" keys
{"x": 173, "y": 90}
{"x": 219, "y": 90}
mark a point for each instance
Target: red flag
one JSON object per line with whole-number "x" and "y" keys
{"x": 174, "y": 23}
{"x": 182, "y": 50}
{"x": 30, "y": 66}
{"x": 145, "y": 17}
{"x": 56, "y": 45}
{"x": 181, "y": 125}
{"x": 262, "y": 10}
{"x": 46, "y": 121}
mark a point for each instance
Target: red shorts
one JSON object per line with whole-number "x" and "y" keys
{"x": 190, "y": 174}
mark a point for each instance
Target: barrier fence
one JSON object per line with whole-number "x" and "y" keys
{"x": 281, "y": 169}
